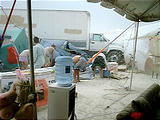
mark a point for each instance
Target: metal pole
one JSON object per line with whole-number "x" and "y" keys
{"x": 90, "y": 60}
{"x": 9, "y": 17}
{"x": 31, "y": 51}
{"x": 134, "y": 53}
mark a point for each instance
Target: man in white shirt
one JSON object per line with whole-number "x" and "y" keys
{"x": 38, "y": 54}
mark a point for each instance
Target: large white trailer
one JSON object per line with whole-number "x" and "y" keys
{"x": 55, "y": 24}
{"x": 70, "y": 25}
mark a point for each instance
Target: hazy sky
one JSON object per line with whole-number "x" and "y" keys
{"x": 102, "y": 19}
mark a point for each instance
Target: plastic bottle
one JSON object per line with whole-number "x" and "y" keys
{"x": 63, "y": 70}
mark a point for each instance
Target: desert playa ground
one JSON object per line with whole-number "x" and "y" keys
{"x": 103, "y": 98}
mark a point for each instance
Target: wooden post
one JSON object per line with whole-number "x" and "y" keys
{"x": 31, "y": 51}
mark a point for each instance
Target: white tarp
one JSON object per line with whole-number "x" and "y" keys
{"x": 148, "y": 43}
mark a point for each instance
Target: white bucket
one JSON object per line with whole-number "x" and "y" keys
{"x": 112, "y": 66}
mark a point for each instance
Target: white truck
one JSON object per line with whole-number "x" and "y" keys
{"x": 70, "y": 25}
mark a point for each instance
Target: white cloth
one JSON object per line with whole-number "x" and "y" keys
{"x": 25, "y": 53}
{"x": 24, "y": 56}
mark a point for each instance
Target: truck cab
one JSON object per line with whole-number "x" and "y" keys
{"x": 114, "y": 52}
{"x": 97, "y": 41}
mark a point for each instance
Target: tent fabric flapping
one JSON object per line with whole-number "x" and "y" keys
{"x": 134, "y": 10}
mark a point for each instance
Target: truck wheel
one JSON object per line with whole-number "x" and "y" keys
{"x": 115, "y": 56}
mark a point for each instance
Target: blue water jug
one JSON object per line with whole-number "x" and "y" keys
{"x": 63, "y": 70}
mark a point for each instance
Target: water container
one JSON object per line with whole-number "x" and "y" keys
{"x": 63, "y": 70}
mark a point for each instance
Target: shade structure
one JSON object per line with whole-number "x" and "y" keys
{"x": 134, "y": 10}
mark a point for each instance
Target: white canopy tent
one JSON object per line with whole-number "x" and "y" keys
{"x": 135, "y": 10}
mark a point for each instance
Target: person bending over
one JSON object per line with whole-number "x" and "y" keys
{"x": 49, "y": 51}
{"x": 79, "y": 65}
{"x": 101, "y": 62}
{"x": 24, "y": 58}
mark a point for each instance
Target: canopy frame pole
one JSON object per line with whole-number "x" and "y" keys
{"x": 151, "y": 7}
{"x": 90, "y": 60}
{"x": 31, "y": 52}
{"x": 134, "y": 53}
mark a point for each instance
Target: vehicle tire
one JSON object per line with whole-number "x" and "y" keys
{"x": 115, "y": 56}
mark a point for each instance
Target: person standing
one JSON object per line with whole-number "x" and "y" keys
{"x": 79, "y": 65}
{"x": 24, "y": 58}
{"x": 49, "y": 51}
{"x": 66, "y": 45}
{"x": 38, "y": 54}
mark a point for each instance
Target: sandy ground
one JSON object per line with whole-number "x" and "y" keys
{"x": 103, "y": 98}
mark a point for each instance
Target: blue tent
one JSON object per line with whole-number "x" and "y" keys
{"x": 60, "y": 51}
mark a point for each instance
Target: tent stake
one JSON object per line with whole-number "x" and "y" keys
{"x": 31, "y": 51}
{"x": 134, "y": 53}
